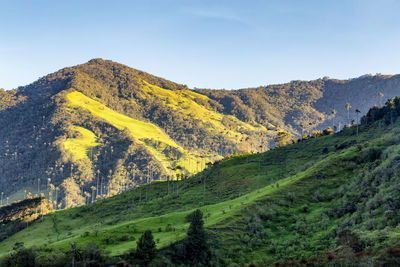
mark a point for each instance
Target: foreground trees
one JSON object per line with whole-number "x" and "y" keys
{"x": 197, "y": 249}
{"x": 146, "y": 249}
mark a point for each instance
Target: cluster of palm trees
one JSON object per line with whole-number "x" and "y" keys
{"x": 357, "y": 111}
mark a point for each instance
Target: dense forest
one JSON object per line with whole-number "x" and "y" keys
{"x": 98, "y": 129}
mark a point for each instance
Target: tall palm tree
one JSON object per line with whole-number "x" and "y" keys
{"x": 302, "y": 130}
{"x": 380, "y": 98}
{"x": 76, "y": 254}
{"x": 56, "y": 200}
{"x": 97, "y": 186}
{"x": 348, "y": 107}
{"x": 333, "y": 118}
{"x": 357, "y": 112}
{"x": 93, "y": 190}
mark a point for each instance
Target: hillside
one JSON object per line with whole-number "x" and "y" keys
{"x": 97, "y": 129}
{"x": 323, "y": 199}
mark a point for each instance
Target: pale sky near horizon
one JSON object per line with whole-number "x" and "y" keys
{"x": 202, "y": 43}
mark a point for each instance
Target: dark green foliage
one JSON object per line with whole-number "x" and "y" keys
{"x": 345, "y": 144}
{"x": 369, "y": 155}
{"x": 196, "y": 246}
{"x": 146, "y": 249}
{"x": 350, "y": 239}
{"x": 20, "y": 257}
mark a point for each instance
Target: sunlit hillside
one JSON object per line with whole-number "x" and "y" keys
{"x": 290, "y": 203}
{"x": 98, "y": 129}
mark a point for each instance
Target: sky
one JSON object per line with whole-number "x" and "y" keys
{"x": 201, "y": 43}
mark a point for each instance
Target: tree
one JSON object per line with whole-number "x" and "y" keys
{"x": 348, "y": 107}
{"x": 72, "y": 192}
{"x": 196, "y": 245}
{"x": 146, "y": 248}
{"x": 333, "y": 118}
{"x": 20, "y": 256}
{"x": 93, "y": 195}
{"x": 76, "y": 254}
{"x": 283, "y": 138}
{"x": 357, "y": 112}
{"x": 380, "y": 98}
{"x": 302, "y": 130}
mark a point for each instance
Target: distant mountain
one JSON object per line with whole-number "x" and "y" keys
{"x": 100, "y": 128}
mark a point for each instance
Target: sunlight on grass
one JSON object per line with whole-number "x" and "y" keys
{"x": 80, "y": 145}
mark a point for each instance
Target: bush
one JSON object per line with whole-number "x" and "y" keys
{"x": 169, "y": 228}
{"x": 370, "y": 155}
{"x": 20, "y": 257}
{"x": 345, "y": 145}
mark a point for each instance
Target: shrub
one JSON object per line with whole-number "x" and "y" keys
{"x": 345, "y": 145}
{"x": 370, "y": 155}
{"x": 169, "y": 228}
{"x": 291, "y": 197}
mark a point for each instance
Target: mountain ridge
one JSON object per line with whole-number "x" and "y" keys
{"x": 205, "y": 124}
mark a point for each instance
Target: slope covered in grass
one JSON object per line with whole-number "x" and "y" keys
{"x": 139, "y": 129}
{"x": 82, "y": 143}
{"x": 290, "y": 202}
{"x": 144, "y": 133}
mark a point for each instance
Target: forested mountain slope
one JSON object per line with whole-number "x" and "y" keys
{"x": 100, "y": 128}
{"x": 324, "y": 201}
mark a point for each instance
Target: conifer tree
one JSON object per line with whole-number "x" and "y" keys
{"x": 197, "y": 248}
{"x": 146, "y": 248}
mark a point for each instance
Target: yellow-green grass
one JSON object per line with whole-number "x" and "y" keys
{"x": 80, "y": 145}
{"x": 138, "y": 129}
{"x": 141, "y": 131}
{"x": 184, "y": 102}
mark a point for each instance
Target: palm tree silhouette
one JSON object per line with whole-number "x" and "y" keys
{"x": 339, "y": 125}
{"x": 302, "y": 130}
{"x": 357, "y": 112}
{"x": 348, "y": 107}
{"x": 333, "y": 118}
{"x": 380, "y": 98}
{"x": 76, "y": 255}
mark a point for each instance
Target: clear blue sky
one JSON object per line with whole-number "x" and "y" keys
{"x": 202, "y": 43}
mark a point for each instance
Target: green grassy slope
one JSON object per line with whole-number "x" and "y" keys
{"x": 80, "y": 145}
{"x": 283, "y": 181}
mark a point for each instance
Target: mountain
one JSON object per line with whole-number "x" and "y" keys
{"x": 97, "y": 129}
{"x": 325, "y": 201}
